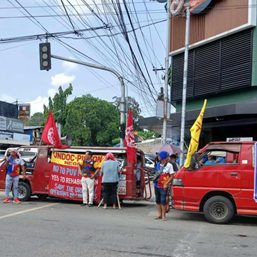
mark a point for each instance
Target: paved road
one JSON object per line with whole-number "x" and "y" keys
{"x": 60, "y": 228}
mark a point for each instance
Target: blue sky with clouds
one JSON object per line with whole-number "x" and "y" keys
{"x": 22, "y": 79}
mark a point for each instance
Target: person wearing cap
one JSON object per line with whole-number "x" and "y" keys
{"x": 110, "y": 172}
{"x": 14, "y": 164}
{"x": 166, "y": 174}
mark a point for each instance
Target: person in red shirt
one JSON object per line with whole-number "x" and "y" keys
{"x": 166, "y": 174}
{"x": 88, "y": 172}
{"x": 14, "y": 165}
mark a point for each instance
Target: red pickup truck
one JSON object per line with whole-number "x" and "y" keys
{"x": 220, "y": 187}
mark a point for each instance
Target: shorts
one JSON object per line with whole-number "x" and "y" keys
{"x": 161, "y": 196}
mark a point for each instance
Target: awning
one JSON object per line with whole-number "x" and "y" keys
{"x": 215, "y": 112}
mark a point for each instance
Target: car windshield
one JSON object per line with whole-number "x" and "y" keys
{"x": 2, "y": 154}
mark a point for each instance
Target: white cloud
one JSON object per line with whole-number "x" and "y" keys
{"x": 58, "y": 80}
{"x": 37, "y": 104}
{"x": 61, "y": 79}
{"x": 51, "y": 92}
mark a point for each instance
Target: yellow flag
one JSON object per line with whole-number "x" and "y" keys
{"x": 195, "y": 135}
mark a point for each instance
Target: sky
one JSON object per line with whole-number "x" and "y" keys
{"x": 22, "y": 80}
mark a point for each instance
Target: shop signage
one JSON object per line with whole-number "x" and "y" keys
{"x": 13, "y": 125}
{"x": 198, "y": 6}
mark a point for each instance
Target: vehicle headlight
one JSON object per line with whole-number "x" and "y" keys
{"x": 177, "y": 182}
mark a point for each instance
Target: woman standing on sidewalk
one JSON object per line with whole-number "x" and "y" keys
{"x": 110, "y": 171}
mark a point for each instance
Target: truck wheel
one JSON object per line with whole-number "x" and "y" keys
{"x": 218, "y": 209}
{"x": 24, "y": 191}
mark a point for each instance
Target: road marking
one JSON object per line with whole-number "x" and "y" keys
{"x": 185, "y": 246}
{"x": 29, "y": 210}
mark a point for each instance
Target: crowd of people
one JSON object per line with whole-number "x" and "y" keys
{"x": 110, "y": 177}
{"x": 166, "y": 167}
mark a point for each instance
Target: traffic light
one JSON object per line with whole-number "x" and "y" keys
{"x": 45, "y": 56}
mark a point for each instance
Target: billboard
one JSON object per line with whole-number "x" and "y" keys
{"x": 198, "y": 6}
{"x": 24, "y": 111}
{"x": 12, "y": 125}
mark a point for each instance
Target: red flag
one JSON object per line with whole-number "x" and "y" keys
{"x": 50, "y": 134}
{"x": 130, "y": 138}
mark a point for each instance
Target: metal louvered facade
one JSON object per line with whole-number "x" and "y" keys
{"x": 222, "y": 66}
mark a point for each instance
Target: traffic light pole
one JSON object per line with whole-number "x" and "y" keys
{"x": 122, "y": 85}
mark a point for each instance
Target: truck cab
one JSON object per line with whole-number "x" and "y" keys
{"x": 219, "y": 182}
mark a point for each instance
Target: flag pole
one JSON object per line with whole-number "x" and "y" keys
{"x": 184, "y": 92}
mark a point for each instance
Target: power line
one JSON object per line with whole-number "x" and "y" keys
{"x": 64, "y": 7}
{"x": 48, "y": 35}
{"x": 31, "y": 17}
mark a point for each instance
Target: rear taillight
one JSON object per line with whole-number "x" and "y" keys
{"x": 177, "y": 182}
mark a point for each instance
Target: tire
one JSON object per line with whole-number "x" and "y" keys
{"x": 218, "y": 210}
{"x": 24, "y": 191}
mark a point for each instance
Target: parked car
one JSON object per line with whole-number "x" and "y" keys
{"x": 219, "y": 189}
{"x": 149, "y": 161}
{"x": 150, "y": 165}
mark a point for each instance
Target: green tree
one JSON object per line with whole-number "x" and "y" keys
{"x": 91, "y": 121}
{"x": 37, "y": 119}
{"x": 58, "y": 105}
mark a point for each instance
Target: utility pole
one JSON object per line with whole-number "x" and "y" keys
{"x": 184, "y": 92}
{"x": 122, "y": 85}
{"x": 166, "y": 114}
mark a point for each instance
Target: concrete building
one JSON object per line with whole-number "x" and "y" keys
{"x": 222, "y": 68}
{"x": 11, "y": 128}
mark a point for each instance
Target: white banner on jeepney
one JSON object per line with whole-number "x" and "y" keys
{"x": 239, "y": 139}
{"x": 255, "y": 173}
